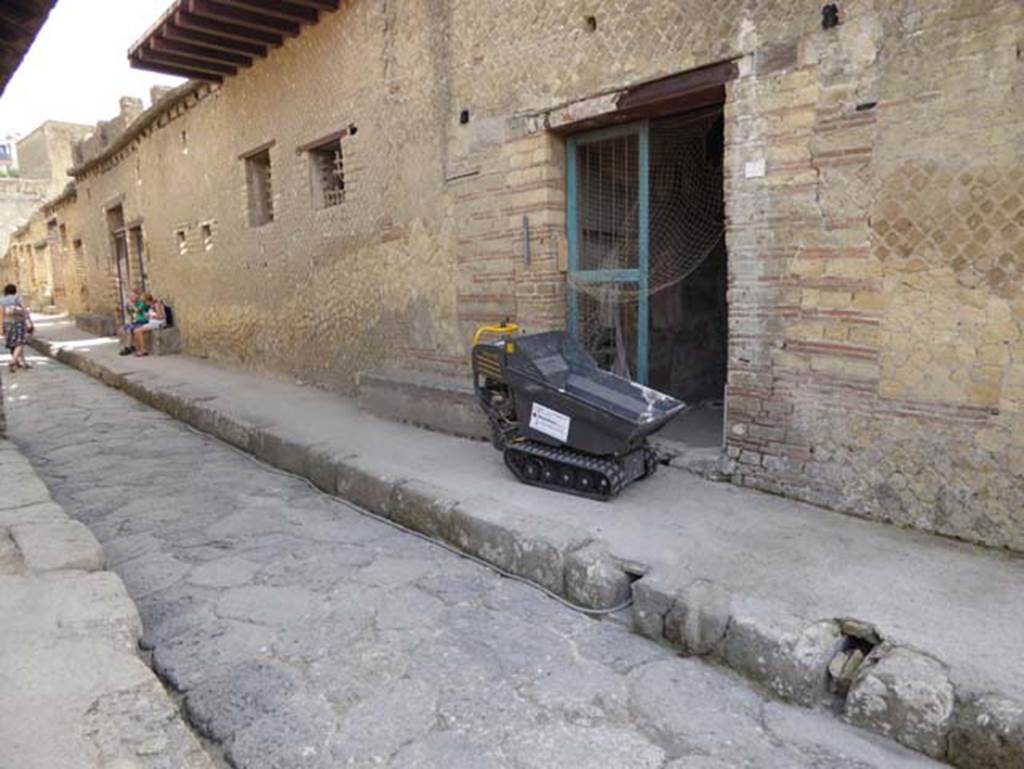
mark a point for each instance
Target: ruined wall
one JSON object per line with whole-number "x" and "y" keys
{"x": 19, "y": 199}
{"x": 46, "y": 153}
{"x": 875, "y": 360}
{"x": 27, "y": 262}
{"x": 67, "y": 263}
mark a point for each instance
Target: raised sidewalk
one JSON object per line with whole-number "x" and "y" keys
{"x": 789, "y": 595}
{"x": 74, "y": 693}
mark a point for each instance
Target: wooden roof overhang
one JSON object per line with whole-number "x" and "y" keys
{"x": 20, "y": 22}
{"x": 212, "y": 39}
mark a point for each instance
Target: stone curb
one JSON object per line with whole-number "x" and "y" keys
{"x": 901, "y": 693}
{"x": 69, "y": 645}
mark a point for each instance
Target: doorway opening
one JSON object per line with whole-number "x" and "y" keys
{"x": 647, "y": 260}
{"x": 138, "y": 248}
{"x": 119, "y": 252}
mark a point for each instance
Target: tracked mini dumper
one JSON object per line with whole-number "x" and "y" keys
{"x": 562, "y": 422}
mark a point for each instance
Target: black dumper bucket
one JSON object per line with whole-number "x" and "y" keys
{"x": 563, "y": 398}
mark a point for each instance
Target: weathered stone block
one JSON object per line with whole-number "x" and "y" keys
{"x": 698, "y": 619}
{"x": 652, "y": 601}
{"x": 988, "y": 733}
{"x": 446, "y": 404}
{"x": 164, "y": 341}
{"x": 905, "y": 695}
{"x": 321, "y": 467}
{"x": 59, "y": 545}
{"x": 99, "y": 324}
{"x": 366, "y": 486}
{"x": 490, "y": 530}
{"x": 780, "y": 651}
{"x": 290, "y": 456}
{"x": 423, "y": 507}
{"x": 594, "y": 579}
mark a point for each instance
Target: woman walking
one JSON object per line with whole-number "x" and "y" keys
{"x": 17, "y": 325}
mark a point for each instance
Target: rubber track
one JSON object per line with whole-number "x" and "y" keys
{"x": 611, "y": 470}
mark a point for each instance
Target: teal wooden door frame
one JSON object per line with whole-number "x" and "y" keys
{"x": 640, "y": 275}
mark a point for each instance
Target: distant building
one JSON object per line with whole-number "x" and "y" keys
{"x": 46, "y": 154}
{"x": 9, "y": 155}
{"x": 42, "y": 160}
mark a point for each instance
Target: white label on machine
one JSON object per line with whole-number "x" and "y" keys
{"x": 549, "y": 422}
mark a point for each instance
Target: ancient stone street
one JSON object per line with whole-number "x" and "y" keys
{"x": 303, "y": 634}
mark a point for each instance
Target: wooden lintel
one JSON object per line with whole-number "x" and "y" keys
{"x": 678, "y": 86}
{"x": 257, "y": 149}
{"x": 312, "y": 145}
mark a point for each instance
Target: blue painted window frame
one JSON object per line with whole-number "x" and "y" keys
{"x": 641, "y": 275}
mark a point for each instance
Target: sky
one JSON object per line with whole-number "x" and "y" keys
{"x": 77, "y": 68}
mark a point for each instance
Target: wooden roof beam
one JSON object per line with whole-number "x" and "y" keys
{"x": 191, "y": 21}
{"x": 322, "y": 5}
{"x": 218, "y": 11}
{"x": 171, "y": 31}
{"x": 282, "y": 9}
{"x": 200, "y": 52}
{"x": 148, "y": 55}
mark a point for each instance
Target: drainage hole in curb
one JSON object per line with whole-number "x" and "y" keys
{"x": 859, "y": 640}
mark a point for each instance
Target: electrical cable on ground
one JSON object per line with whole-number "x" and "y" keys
{"x": 432, "y": 540}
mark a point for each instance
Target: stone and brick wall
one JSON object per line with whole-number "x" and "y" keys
{"x": 875, "y": 298}
{"x": 42, "y": 260}
{"x": 876, "y": 359}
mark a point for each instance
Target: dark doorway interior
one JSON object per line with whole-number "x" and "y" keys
{"x": 688, "y": 308}
{"x": 138, "y": 247}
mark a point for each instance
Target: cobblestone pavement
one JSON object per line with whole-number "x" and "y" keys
{"x": 303, "y": 634}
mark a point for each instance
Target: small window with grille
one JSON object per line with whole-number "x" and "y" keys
{"x": 181, "y": 238}
{"x": 327, "y": 174}
{"x": 258, "y": 181}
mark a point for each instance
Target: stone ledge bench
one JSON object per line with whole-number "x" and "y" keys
{"x": 164, "y": 341}
{"x": 97, "y": 323}
{"x": 441, "y": 403}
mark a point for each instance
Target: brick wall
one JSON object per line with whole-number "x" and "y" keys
{"x": 876, "y": 350}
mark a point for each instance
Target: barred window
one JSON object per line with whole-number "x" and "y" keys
{"x": 327, "y": 174}
{"x": 261, "y": 196}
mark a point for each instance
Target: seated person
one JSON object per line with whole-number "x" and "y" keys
{"x": 137, "y": 310}
{"x": 156, "y": 318}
